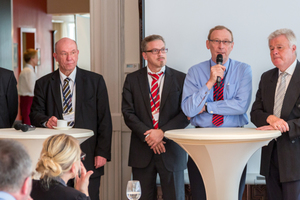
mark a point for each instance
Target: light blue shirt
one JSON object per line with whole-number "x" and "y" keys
{"x": 237, "y": 94}
{"x": 6, "y": 196}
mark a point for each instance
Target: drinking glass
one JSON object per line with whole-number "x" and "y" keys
{"x": 133, "y": 190}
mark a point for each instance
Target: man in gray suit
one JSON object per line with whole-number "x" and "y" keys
{"x": 277, "y": 107}
{"x": 151, "y": 106}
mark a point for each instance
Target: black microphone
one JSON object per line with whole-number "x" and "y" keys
{"x": 27, "y": 127}
{"x": 18, "y": 126}
{"x": 219, "y": 62}
{"x": 24, "y": 127}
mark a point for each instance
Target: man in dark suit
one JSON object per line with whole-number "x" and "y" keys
{"x": 150, "y": 107}
{"x": 88, "y": 98}
{"x": 8, "y": 98}
{"x": 277, "y": 107}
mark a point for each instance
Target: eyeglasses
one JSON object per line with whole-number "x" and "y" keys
{"x": 156, "y": 51}
{"x": 225, "y": 42}
{"x": 82, "y": 156}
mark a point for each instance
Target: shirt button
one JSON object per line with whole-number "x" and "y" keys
{"x": 211, "y": 112}
{"x": 293, "y": 141}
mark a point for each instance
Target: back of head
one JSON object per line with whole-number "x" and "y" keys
{"x": 58, "y": 154}
{"x": 29, "y": 53}
{"x": 15, "y": 165}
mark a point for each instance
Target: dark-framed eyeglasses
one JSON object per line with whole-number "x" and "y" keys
{"x": 156, "y": 51}
{"x": 82, "y": 156}
{"x": 225, "y": 42}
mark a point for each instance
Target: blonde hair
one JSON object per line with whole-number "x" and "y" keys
{"x": 29, "y": 53}
{"x": 58, "y": 154}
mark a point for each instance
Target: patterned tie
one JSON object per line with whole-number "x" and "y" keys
{"x": 154, "y": 97}
{"x": 217, "y": 120}
{"x": 67, "y": 105}
{"x": 280, "y": 95}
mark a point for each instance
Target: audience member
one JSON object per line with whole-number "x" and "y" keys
{"x": 15, "y": 171}
{"x": 58, "y": 163}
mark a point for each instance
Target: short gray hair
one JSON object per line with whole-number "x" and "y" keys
{"x": 288, "y": 33}
{"x": 15, "y": 165}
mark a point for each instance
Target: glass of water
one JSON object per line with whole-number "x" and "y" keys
{"x": 133, "y": 190}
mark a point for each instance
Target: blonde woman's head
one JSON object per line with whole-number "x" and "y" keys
{"x": 58, "y": 154}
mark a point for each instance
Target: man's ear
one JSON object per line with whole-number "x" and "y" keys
{"x": 27, "y": 186}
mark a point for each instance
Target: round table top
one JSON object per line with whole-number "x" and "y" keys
{"x": 43, "y": 133}
{"x": 195, "y": 135}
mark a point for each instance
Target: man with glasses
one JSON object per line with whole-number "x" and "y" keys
{"x": 15, "y": 171}
{"x": 81, "y": 98}
{"x": 151, "y": 106}
{"x": 208, "y": 104}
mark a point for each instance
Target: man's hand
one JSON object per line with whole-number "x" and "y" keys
{"x": 99, "y": 161}
{"x": 160, "y": 148}
{"x": 154, "y": 137}
{"x": 51, "y": 122}
{"x": 278, "y": 123}
{"x": 215, "y": 71}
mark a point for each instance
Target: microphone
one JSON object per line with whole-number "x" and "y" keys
{"x": 219, "y": 62}
{"x": 18, "y": 126}
{"x": 24, "y": 127}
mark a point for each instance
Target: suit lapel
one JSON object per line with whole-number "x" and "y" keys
{"x": 292, "y": 93}
{"x": 167, "y": 87}
{"x": 270, "y": 90}
{"x": 144, "y": 87}
{"x": 80, "y": 88}
{"x": 56, "y": 93}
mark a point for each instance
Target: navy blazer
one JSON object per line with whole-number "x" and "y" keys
{"x": 57, "y": 191}
{"x": 288, "y": 144}
{"x": 138, "y": 117}
{"x": 91, "y": 111}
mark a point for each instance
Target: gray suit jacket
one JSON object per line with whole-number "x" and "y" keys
{"x": 91, "y": 111}
{"x": 137, "y": 115}
{"x": 288, "y": 144}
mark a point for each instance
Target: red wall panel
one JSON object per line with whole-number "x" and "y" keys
{"x": 33, "y": 14}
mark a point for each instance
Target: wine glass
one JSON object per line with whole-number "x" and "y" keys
{"x": 133, "y": 190}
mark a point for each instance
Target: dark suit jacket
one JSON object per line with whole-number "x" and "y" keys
{"x": 8, "y": 98}
{"x": 288, "y": 144}
{"x": 57, "y": 191}
{"x": 91, "y": 111}
{"x": 137, "y": 115}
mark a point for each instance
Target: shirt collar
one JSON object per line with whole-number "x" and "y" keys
{"x": 29, "y": 66}
{"x": 6, "y": 196}
{"x": 163, "y": 69}
{"x": 290, "y": 70}
{"x": 212, "y": 63}
{"x": 72, "y": 75}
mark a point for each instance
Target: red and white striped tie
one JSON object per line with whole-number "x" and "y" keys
{"x": 155, "y": 97}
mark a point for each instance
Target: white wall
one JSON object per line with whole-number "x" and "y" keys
{"x": 185, "y": 26}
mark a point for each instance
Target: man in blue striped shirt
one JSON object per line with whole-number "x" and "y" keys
{"x": 203, "y": 102}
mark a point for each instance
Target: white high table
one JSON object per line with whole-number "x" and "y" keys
{"x": 33, "y": 140}
{"x": 221, "y": 155}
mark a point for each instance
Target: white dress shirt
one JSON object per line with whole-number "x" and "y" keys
{"x": 27, "y": 80}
